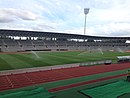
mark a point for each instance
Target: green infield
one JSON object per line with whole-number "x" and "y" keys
{"x": 112, "y": 90}
{"x": 32, "y": 93}
{"x": 39, "y": 59}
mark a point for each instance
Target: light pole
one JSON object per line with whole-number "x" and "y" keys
{"x": 86, "y": 11}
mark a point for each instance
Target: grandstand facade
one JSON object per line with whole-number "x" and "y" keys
{"x": 51, "y": 41}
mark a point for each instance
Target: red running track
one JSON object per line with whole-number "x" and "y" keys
{"x": 27, "y": 79}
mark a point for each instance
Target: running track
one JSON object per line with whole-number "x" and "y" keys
{"x": 31, "y": 78}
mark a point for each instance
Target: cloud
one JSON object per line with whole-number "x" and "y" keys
{"x": 25, "y": 15}
{"x": 4, "y": 19}
{"x": 112, "y": 29}
{"x": 106, "y": 17}
{"x": 10, "y": 14}
{"x": 42, "y": 27}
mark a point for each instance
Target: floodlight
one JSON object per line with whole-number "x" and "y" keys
{"x": 86, "y": 10}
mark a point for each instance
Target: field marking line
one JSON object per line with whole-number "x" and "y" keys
{"x": 28, "y": 79}
{"x": 9, "y": 81}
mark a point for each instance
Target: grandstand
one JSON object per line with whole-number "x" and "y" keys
{"x": 51, "y": 41}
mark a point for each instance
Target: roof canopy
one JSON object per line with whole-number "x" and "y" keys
{"x": 23, "y": 33}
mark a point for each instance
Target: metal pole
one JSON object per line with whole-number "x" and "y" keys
{"x": 85, "y": 24}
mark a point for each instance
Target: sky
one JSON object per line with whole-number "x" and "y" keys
{"x": 105, "y": 18}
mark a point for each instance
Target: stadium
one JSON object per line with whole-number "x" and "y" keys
{"x": 36, "y": 64}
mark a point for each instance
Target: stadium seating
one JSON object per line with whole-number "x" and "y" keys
{"x": 11, "y": 45}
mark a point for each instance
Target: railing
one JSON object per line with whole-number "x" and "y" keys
{"x": 95, "y": 63}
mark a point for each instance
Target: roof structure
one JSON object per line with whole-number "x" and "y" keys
{"x": 23, "y": 33}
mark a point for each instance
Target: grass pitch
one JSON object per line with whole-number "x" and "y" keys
{"x": 39, "y": 59}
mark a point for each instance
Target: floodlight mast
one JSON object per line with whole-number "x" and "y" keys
{"x": 86, "y": 11}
